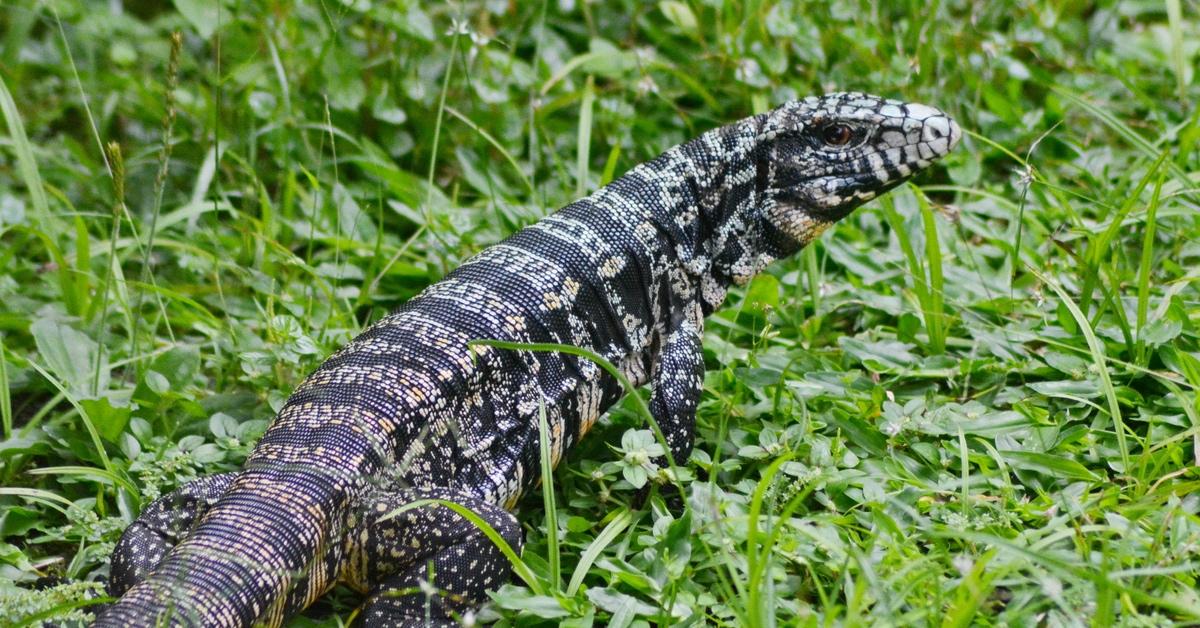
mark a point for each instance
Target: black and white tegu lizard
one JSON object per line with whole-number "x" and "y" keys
{"x": 406, "y": 411}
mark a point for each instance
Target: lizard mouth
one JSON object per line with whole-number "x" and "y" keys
{"x": 830, "y": 198}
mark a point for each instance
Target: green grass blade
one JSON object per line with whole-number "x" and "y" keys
{"x": 88, "y": 473}
{"x": 757, "y": 560}
{"x": 615, "y": 526}
{"x": 1070, "y": 570}
{"x": 610, "y": 164}
{"x": 55, "y": 612}
{"x": 1128, "y": 134}
{"x": 97, "y": 443}
{"x": 6, "y": 413}
{"x": 1098, "y": 360}
{"x": 504, "y": 152}
{"x": 547, "y": 462}
{"x": 1102, "y": 245}
{"x": 26, "y": 164}
{"x": 916, "y": 270}
{"x": 974, "y": 588}
{"x": 519, "y": 567}
{"x": 1178, "y": 56}
{"x": 83, "y": 99}
{"x": 936, "y": 311}
{"x": 584, "y": 140}
{"x": 437, "y": 136}
{"x": 1143, "y": 277}
{"x": 53, "y": 500}
{"x": 1189, "y": 403}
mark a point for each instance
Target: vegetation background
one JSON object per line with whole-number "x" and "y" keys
{"x": 974, "y": 403}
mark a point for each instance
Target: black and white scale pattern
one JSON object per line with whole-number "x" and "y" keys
{"x": 405, "y": 412}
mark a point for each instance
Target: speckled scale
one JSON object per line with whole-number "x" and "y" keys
{"x": 407, "y": 412}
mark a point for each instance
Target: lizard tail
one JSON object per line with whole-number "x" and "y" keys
{"x": 267, "y": 548}
{"x": 274, "y": 540}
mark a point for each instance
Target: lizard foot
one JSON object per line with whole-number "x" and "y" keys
{"x": 428, "y": 565}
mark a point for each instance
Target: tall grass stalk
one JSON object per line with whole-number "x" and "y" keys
{"x": 1100, "y": 363}
{"x": 88, "y": 423}
{"x": 6, "y": 413}
{"x": 1144, "y": 270}
{"x": 934, "y": 305}
{"x": 170, "y": 112}
{"x": 583, "y": 144}
{"x": 26, "y": 163}
{"x": 812, "y": 275}
{"x": 547, "y": 465}
{"x": 504, "y": 152}
{"x": 1178, "y": 55}
{"x": 1101, "y": 245}
{"x": 623, "y": 519}
{"x": 925, "y": 269}
{"x": 437, "y": 136}
{"x": 118, "y": 180}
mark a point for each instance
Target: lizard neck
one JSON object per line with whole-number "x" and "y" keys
{"x": 714, "y": 202}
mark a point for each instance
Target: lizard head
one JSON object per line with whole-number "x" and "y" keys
{"x": 821, "y": 157}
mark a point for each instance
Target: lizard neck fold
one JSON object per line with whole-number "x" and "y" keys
{"x": 713, "y": 189}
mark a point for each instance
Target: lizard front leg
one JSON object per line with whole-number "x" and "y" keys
{"x": 677, "y": 383}
{"x": 427, "y": 565}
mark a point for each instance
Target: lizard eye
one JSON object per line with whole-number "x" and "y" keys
{"x": 837, "y": 134}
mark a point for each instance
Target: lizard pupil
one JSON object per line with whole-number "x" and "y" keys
{"x": 837, "y": 134}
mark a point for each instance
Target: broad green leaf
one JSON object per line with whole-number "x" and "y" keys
{"x": 880, "y": 355}
{"x": 110, "y": 420}
{"x": 1050, "y": 464}
{"x": 606, "y": 59}
{"x": 72, "y": 356}
{"x": 763, "y": 293}
{"x": 1068, "y": 388}
{"x": 203, "y": 15}
{"x": 680, "y": 14}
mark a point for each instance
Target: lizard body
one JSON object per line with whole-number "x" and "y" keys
{"x": 405, "y": 411}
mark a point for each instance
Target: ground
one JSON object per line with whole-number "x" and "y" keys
{"x": 972, "y": 403}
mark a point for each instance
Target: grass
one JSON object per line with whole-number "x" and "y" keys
{"x": 974, "y": 402}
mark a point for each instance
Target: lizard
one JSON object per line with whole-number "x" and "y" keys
{"x": 407, "y": 411}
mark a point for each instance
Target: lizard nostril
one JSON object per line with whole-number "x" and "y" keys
{"x": 936, "y": 128}
{"x": 939, "y": 130}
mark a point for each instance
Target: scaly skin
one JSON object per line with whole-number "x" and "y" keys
{"x": 404, "y": 412}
